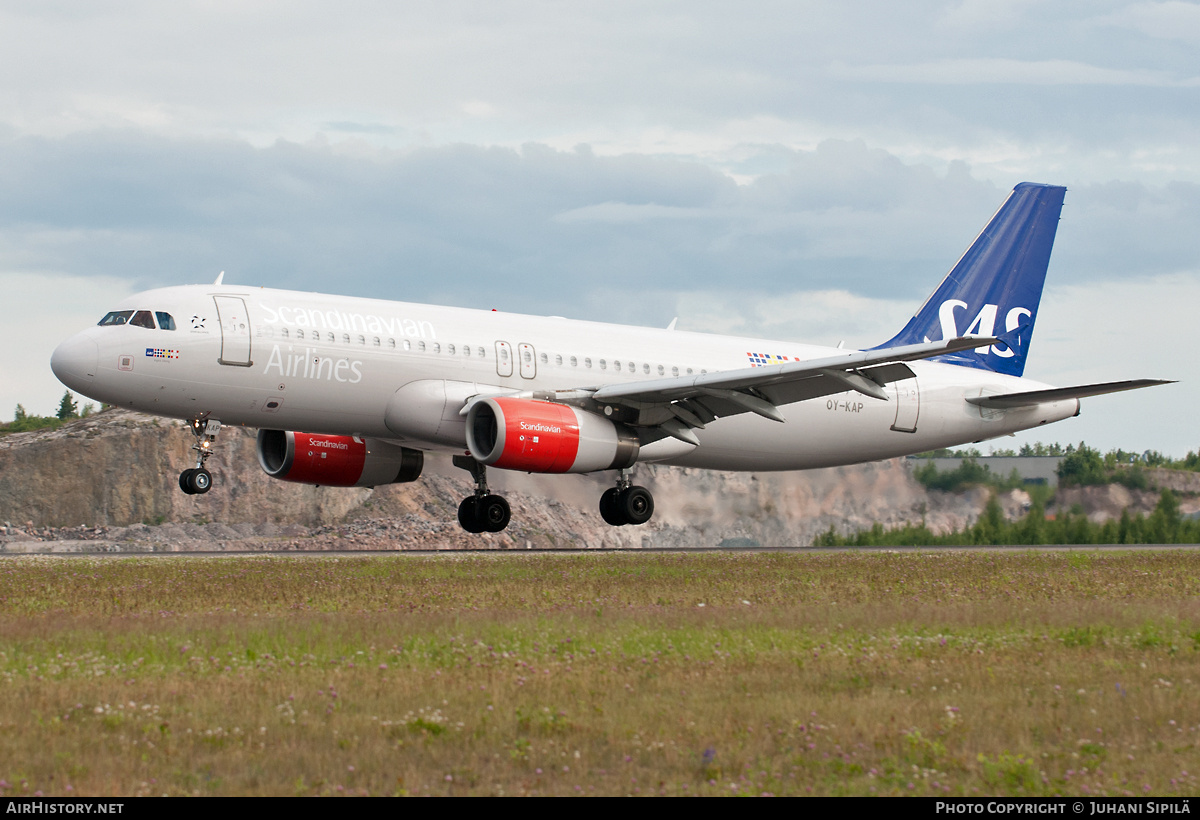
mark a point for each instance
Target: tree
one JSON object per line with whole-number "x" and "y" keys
{"x": 1081, "y": 466}
{"x": 20, "y": 414}
{"x": 67, "y": 408}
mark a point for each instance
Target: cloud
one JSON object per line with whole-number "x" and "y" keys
{"x": 984, "y": 16}
{"x": 349, "y": 127}
{"x": 994, "y": 70}
{"x": 1123, "y": 330}
{"x": 535, "y": 229}
{"x": 826, "y": 317}
{"x": 41, "y": 310}
{"x": 1011, "y": 87}
{"x": 1175, "y": 20}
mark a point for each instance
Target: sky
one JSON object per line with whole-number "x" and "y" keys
{"x": 788, "y": 170}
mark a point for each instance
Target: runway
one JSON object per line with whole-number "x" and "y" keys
{"x": 95, "y": 549}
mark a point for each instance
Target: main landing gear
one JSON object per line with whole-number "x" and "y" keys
{"x": 626, "y": 503}
{"x": 197, "y": 480}
{"x": 483, "y": 511}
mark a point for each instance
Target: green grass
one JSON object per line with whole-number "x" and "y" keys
{"x": 922, "y": 674}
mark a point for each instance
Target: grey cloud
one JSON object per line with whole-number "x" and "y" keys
{"x": 391, "y": 71}
{"x": 537, "y": 230}
{"x": 977, "y": 71}
{"x": 1167, "y": 21}
{"x": 348, "y": 127}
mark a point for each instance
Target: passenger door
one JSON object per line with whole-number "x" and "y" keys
{"x": 908, "y": 405}
{"x": 235, "y": 331}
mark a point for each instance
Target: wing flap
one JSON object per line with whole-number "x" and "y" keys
{"x": 1007, "y": 401}
{"x": 814, "y": 387}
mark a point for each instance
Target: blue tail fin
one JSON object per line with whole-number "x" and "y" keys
{"x": 995, "y": 288}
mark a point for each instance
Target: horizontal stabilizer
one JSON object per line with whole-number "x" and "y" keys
{"x": 1027, "y": 399}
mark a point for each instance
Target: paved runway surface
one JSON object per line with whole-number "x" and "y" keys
{"x": 116, "y": 553}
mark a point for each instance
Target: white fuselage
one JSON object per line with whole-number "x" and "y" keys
{"x": 347, "y": 366}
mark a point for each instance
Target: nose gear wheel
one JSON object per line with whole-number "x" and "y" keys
{"x": 197, "y": 480}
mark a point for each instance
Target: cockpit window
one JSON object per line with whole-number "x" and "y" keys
{"x": 116, "y": 317}
{"x": 143, "y": 319}
{"x": 165, "y": 320}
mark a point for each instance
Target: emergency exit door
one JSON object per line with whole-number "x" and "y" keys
{"x": 504, "y": 363}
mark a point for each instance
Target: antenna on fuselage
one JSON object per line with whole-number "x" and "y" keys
{"x": 220, "y": 276}
{"x": 672, "y": 325}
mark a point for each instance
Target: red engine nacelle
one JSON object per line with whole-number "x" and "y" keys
{"x": 336, "y": 461}
{"x": 544, "y": 437}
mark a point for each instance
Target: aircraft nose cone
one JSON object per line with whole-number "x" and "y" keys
{"x": 74, "y": 361}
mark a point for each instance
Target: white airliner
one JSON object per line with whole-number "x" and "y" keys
{"x": 376, "y": 384}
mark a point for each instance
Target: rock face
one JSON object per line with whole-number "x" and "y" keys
{"x": 112, "y": 478}
{"x": 119, "y": 469}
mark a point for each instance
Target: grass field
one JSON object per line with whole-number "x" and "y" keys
{"x": 948, "y": 673}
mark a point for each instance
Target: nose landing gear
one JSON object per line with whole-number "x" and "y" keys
{"x": 626, "y": 503}
{"x": 484, "y": 511}
{"x": 197, "y": 480}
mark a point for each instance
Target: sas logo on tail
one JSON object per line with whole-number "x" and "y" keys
{"x": 983, "y": 324}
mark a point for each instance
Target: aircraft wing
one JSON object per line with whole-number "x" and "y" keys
{"x": 1031, "y": 397}
{"x": 679, "y": 404}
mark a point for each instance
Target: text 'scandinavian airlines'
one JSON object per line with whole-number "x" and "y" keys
{"x": 377, "y": 384}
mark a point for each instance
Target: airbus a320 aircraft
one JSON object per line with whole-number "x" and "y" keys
{"x": 377, "y": 384}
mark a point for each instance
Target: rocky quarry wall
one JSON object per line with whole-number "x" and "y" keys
{"x": 112, "y": 478}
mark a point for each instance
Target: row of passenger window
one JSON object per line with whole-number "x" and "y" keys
{"x": 467, "y": 351}
{"x": 330, "y": 337}
{"x": 603, "y": 364}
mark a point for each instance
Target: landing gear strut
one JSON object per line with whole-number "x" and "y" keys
{"x": 197, "y": 480}
{"x": 483, "y": 511}
{"x": 626, "y": 503}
